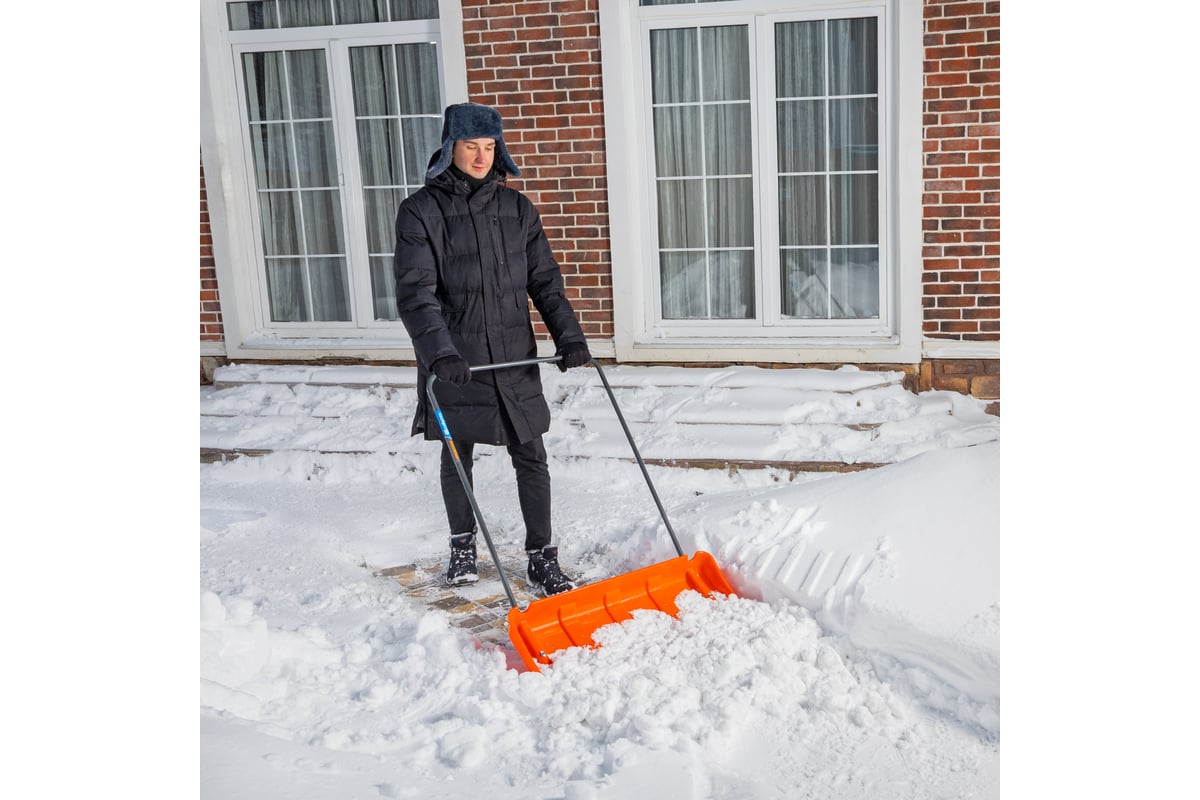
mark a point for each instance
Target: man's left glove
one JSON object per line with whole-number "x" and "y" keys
{"x": 573, "y": 355}
{"x": 452, "y": 369}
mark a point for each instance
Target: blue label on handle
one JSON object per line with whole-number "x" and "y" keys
{"x": 442, "y": 423}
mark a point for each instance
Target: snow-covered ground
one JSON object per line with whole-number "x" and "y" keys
{"x": 861, "y": 658}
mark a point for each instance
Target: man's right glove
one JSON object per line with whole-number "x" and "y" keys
{"x": 452, "y": 369}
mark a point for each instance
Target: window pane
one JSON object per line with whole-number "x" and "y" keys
{"x": 676, "y": 140}
{"x": 799, "y": 59}
{"x": 853, "y": 49}
{"x": 684, "y": 285}
{"x": 730, "y": 212}
{"x": 728, "y": 144}
{"x": 302, "y": 13}
{"x": 264, "y": 86}
{"x": 315, "y": 155}
{"x": 801, "y": 135}
{"x": 854, "y": 209}
{"x": 252, "y": 16}
{"x": 374, "y": 78}
{"x": 280, "y": 223}
{"x": 287, "y": 290}
{"x": 717, "y": 286}
{"x": 854, "y": 283}
{"x": 804, "y": 284}
{"x": 422, "y": 136}
{"x": 420, "y": 87}
{"x": 381, "y": 205}
{"x": 330, "y": 289}
{"x": 379, "y": 152}
{"x": 383, "y": 287}
{"x": 725, "y": 63}
{"x": 680, "y": 214}
{"x": 322, "y": 222}
{"x": 414, "y": 9}
{"x": 854, "y": 134}
{"x": 731, "y": 284}
{"x": 272, "y": 147}
{"x": 802, "y": 210}
{"x": 309, "y": 84}
{"x": 350, "y": 12}
{"x": 674, "y": 71}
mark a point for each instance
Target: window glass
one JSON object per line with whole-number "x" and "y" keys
{"x": 299, "y": 200}
{"x": 827, "y": 140}
{"x": 853, "y": 49}
{"x": 262, "y": 14}
{"x": 398, "y": 117}
{"x": 327, "y": 256}
{"x": 304, "y": 13}
{"x": 704, "y": 155}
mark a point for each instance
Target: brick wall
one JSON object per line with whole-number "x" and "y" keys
{"x": 211, "y": 328}
{"x": 539, "y": 64}
{"x": 961, "y": 199}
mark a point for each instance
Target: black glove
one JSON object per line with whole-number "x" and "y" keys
{"x": 573, "y": 355}
{"x": 452, "y": 369}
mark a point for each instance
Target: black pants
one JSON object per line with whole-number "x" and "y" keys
{"x": 533, "y": 489}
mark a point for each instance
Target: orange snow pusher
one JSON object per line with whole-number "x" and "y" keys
{"x": 569, "y": 619}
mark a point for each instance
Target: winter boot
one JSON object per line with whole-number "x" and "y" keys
{"x": 544, "y": 572}
{"x": 462, "y": 559}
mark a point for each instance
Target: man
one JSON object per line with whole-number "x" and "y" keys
{"x": 469, "y": 252}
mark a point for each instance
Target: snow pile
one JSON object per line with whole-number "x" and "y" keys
{"x": 894, "y": 565}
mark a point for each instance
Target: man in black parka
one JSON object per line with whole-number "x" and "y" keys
{"x": 469, "y": 252}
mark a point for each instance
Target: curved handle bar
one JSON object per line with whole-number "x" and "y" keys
{"x": 462, "y": 475}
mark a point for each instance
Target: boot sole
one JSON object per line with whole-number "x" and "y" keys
{"x": 542, "y": 589}
{"x": 462, "y": 579}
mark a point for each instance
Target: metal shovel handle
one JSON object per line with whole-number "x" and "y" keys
{"x": 462, "y": 473}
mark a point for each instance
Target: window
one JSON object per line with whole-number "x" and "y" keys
{"x": 824, "y": 187}
{"x": 341, "y": 104}
{"x": 769, "y": 148}
{"x": 827, "y": 132}
{"x": 704, "y": 182}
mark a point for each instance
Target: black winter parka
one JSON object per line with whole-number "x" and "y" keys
{"x": 464, "y": 265}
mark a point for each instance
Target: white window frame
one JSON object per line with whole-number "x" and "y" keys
{"x": 639, "y": 332}
{"x": 230, "y": 183}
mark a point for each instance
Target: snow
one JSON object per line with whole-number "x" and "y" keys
{"x": 860, "y": 658}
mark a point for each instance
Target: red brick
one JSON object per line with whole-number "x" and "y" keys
{"x": 968, "y": 9}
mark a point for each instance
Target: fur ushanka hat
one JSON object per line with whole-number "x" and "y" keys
{"x": 471, "y": 121}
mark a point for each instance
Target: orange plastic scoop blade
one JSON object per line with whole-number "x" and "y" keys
{"x": 569, "y": 619}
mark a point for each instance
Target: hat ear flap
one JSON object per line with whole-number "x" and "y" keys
{"x": 440, "y": 161}
{"x": 504, "y": 160}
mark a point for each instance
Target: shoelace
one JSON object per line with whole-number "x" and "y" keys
{"x": 461, "y": 557}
